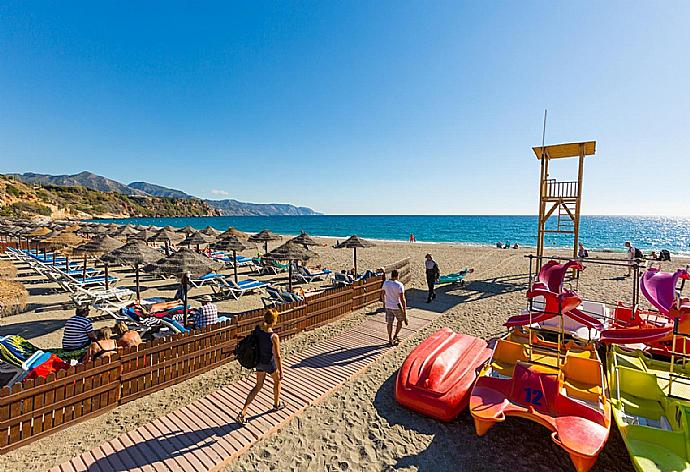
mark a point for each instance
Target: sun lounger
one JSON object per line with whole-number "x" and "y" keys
{"x": 455, "y": 277}
{"x": 206, "y": 279}
{"x": 227, "y": 287}
{"x": 275, "y": 297}
{"x": 303, "y": 274}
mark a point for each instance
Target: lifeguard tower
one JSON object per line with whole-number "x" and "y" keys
{"x": 560, "y": 199}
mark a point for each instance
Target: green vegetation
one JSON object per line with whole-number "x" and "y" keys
{"x": 12, "y": 190}
{"x": 34, "y": 201}
{"x": 24, "y": 209}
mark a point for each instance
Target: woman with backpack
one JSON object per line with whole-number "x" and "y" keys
{"x": 268, "y": 362}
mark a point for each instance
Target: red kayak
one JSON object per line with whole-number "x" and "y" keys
{"x": 437, "y": 377}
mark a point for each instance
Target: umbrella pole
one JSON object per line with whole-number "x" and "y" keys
{"x": 289, "y": 276}
{"x": 83, "y": 272}
{"x": 66, "y": 263}
{"x": 167, "y": 248}
{"x": 265, "y": 247}
{"x": 53, "y": 257}
{"x": 234, "y": 264}
{"x": 136, "y": 277}
{"x": 355, "y": 252}
{"x": 106, "y": 276}
{"x": 184, "y": 300}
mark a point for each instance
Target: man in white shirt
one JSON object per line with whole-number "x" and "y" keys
{"x": 395, "y": 306}
{"x": 631, "y": 256}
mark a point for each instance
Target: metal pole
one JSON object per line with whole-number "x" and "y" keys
{"x": 106, "y": 275}
{"x": 289, "y": 276}
{"x": 355, "y": 257}
{"x": 136, "y": 275}
{"x": 234, "y": 264}
{"x": 184, "y": 291}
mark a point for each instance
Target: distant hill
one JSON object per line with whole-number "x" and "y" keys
{"x": 143, "y": 189}
{"x": 19, "y": 199}
{"x": 158, "y": 191}
{"x": 233, "y": 207}
{"x": 82, "y": 179}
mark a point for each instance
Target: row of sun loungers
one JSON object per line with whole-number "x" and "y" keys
{"x": 89, "y": 289}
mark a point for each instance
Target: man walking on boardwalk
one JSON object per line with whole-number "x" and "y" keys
{"x": 432, "y": 275}
{"x": 395, "y": 306}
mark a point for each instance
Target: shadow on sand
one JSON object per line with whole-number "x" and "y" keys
{"x": 515, "y": 445}
{"x": 32, "y": 329}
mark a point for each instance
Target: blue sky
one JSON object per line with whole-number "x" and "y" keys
{"x": 353, "y": 107}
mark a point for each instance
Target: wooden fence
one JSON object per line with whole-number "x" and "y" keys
{"x": 37, "y": 408}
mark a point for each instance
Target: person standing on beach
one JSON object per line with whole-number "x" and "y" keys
{"x": 631, "y": 256}
{"x": 432, "y": 275}
{"x": 395, "y": 306}
{"x": 269, "y": 362}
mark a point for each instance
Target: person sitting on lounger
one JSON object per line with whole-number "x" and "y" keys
{"x": 126, "y": 337}
{"x": 78, "y": 330}
{"x": 270, "y": 362}
{"x": 207, "y": 314}
{"x": 103, "y": 347}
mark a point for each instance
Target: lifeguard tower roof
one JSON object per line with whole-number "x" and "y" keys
{"x": 558, "y": 151}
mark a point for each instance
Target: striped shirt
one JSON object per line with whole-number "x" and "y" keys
{"x": 206, "y": 315}
{"x": 76, "y": 333}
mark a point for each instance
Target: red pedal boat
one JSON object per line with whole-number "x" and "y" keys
{"x": 436, "y": 378}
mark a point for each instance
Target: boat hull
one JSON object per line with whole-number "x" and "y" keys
{"x": 437, "y": 376}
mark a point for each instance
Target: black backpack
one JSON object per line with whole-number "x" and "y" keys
{"x": 247, "y": 351}
{"x": 664, "y": 255}
{"x": 638, "y": 254}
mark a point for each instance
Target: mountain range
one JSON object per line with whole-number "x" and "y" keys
{"x": 228, "y": 207}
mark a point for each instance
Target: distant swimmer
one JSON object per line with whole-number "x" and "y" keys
{"x": 412, "y": 239}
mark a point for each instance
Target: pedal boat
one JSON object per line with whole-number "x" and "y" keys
{"x": 554, "y": 380}
{"x": 437, "y": 376}
{"x": 651, "y": 410}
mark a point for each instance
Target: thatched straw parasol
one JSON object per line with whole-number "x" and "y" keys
{"x": 230, "y": 243}
{"x": 141, "y": 227}
{"x": 290, "y": 252}
{"x": 13, "y": 297}
{"x": 231, "y": 231}
{"x": 135, "y": 254}
{"x": 264, "y": 237}
{"x": 186, "y": 230}
{"x": 126, "y": 231}
{"x": 354, "y": 242}
{"x": 305, "y": 240}
{"x": 166, "y": 237}
{"x": 185, "y": 261}
{"x": 63, "y": 242}
{"x": 198, "y": 238}
{"x": 39, "y": 232}
{"x": 210, "y": 231}
{"x": 96, "y": 247}
{"x": 142, "y": 235}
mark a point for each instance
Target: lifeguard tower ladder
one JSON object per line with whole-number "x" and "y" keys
{"x": 560, "y": 198}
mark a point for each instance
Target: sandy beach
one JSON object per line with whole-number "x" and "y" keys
{"x": 360, "y": 427}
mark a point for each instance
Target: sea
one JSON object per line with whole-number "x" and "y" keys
{"x": 596, "y": 232}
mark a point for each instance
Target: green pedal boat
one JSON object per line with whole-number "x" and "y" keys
{"x": 651, "y": 405}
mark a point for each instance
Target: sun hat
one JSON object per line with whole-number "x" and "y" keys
{"x": 206, "y": 298}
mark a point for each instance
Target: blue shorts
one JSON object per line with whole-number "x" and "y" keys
{"x": 269, "y": 368}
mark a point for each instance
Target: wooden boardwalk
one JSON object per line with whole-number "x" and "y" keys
{"x": 204, "y": 436}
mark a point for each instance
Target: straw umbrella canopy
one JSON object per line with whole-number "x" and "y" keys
{"x": 135, "y": 253}
{"x": 126, "y": 231}
{"x": 182, "y": 262}
{"x": 305, "y": 240}
{"x": 198, "y": 238}
{"x": 63, "y": 241}
{"x": 232, "y": 231}
{"x": 40, "y": 232}
{"x": 142, "y": 235}
{"x": 98, "y": 246}
{"x": 231, "y": 243}
{"x": 187, "y": 230}
{"x": 354, "y": 242}
{"x": 166, "y": 237}
{"x": 141, "y": 227}
{"x": 291, "y": 251}
{"x": 264, "y": 237}
{"x": 210, "y": 231}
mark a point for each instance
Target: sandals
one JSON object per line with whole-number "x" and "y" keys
{"x": 279, "y": 406}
